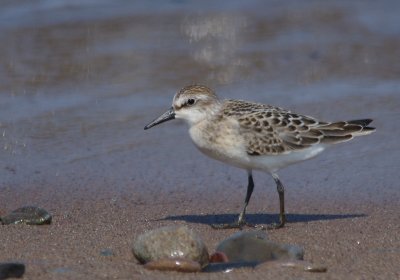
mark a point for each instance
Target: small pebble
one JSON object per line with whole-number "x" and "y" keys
{"x": 315, "y": 268}
{"x": 106, "y": 252}
{"x": 174, "y": 264}
{"x": 11, "y": 270}
{"x": 218, "y": 257}
{"x": 30, "y": 215}
{"x": 170, "y": 242}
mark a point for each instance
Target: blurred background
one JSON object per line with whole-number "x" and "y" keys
{"x": 80, "y": 79}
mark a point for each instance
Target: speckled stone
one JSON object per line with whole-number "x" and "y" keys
{"x": 30, "y": 215}
{"x": 170, "y": 242}
{"x": 254, "y": 246}
{"x": 174, "y": 264}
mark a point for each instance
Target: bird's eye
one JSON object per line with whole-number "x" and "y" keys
{"x": 190, "y": 101}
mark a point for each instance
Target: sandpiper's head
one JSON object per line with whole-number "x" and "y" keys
{"x": 192, "y": 104}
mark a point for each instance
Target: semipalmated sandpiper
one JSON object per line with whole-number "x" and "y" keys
{"x": 255, "y": 136}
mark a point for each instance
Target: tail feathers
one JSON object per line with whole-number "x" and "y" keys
{"x": 365, "y": 128}
{"x": 343, "y": 131}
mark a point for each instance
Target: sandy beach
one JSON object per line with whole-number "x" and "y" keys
{"x": 334, "y": 210}
{"x": 73, "y": 109}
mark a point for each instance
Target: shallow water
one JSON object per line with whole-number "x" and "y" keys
{"x": 80, "y": 79}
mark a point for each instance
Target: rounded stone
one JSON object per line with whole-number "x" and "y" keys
{"x": 30, "y": 215}
{"x": 170, "y": 242}
{"x": 254, "y": 246}
{"x": 174, "y": 264}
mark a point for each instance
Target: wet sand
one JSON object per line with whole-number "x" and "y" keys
{"x": 73, "y": 109}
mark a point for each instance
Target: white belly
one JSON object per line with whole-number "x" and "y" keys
{"x": 231, "y": 149}
{"x": 273, "y": 163}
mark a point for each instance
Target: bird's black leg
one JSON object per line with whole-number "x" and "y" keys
{"x": 241, "y": 220}
{"x": 281, "y": 192}
{"x": 250, "y": 188}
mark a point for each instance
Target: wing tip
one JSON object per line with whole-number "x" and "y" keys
{"x": 363, "y": 122}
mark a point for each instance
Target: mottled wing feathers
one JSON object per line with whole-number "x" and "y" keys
{"x": 269, "y": 130}
{"x": 278, "y": 132}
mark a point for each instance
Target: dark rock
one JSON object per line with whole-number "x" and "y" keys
{"x": 174, "y": 264}
{"x": 170, "y": 242}
{"x": 30, "y": 215}
{"x": 254, "y": 246}
{"x": 11, "y": 270}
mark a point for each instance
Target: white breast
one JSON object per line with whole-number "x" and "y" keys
{"x": 221, "y": 142}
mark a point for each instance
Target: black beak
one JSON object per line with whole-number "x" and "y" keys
{"x": 169, "y": 115}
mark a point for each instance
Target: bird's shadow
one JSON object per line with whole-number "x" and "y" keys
{"x": 209, "y": 219}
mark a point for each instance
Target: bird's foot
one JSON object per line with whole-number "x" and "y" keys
{"x": 281, "y": 224}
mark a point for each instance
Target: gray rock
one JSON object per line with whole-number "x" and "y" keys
{"x": 170, "y": 242}
{"x": 30, "y": 215}
{"x": 254, "y": 246}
